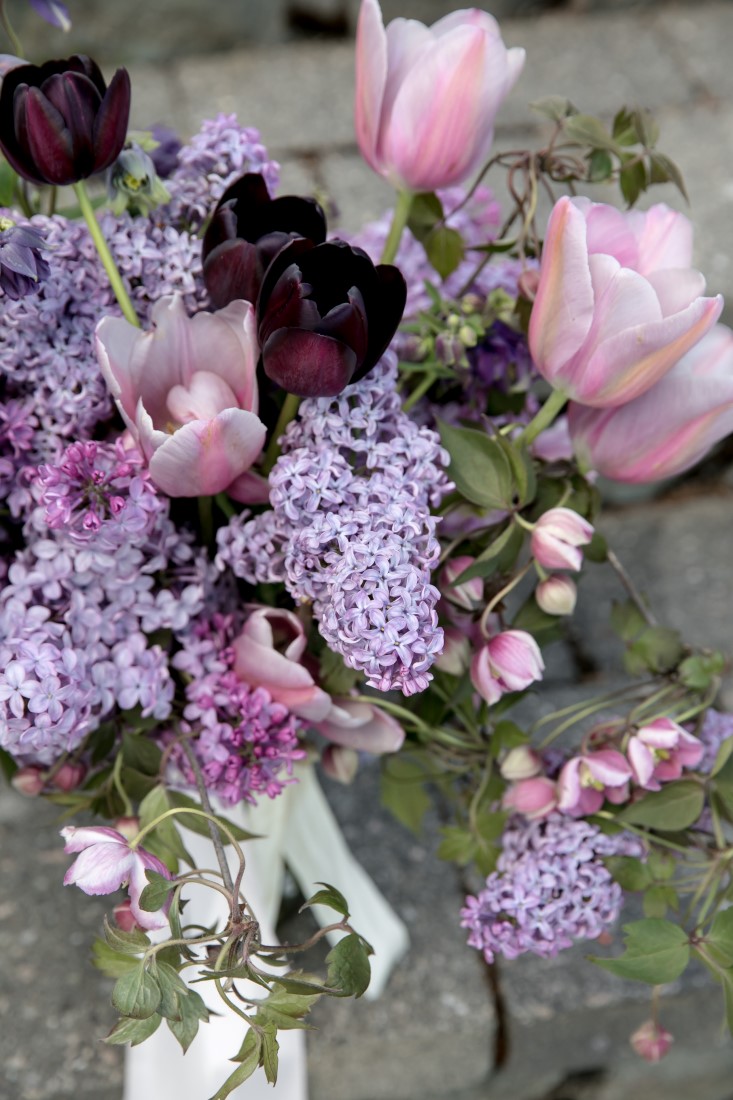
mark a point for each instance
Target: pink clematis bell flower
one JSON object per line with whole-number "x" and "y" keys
{"x": 671, "y": 426}
{"x": 557, "y": 538}
{"x": 651, "y": 1042}
{"x": 585, "y": 782}
{"x": 106, "y": 862}
{"x": 187, "y": 391}
{"x": 659, "y": 751}
{"x": 427, "y": 97}
{"x": 533, "y": 798}
{"x": 355, "y": 724}
{"x": 618, "y": 303}
{"x": 509, "y": 661}
{"x": 557, "y": 595}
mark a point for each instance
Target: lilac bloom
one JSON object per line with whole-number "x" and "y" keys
{"x": 21, "y": 265}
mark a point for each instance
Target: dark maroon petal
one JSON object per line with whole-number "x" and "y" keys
{"x": 289, "y": 306}
{"x": 384, "y": 313}
{"x": 232, "y": 271}
{"x": 348, "y": 323}
{"x": 291, "y": 254}
{"x": 333, "y": 268}
{"x": 77, "y": 100}
{"x": 308, "y": 364}
{"x": 258, "y": 214}
{"x": 110, "y": 126}
{"x": 222, "y": 227}
{"x": 270, "y": 244}
{"x": 49, "y": 141}
{"x": 80, "y": 63}
{"x": 14, "y": 134}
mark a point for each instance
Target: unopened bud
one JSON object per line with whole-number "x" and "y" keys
{"x": 123, "y": 916}
{"x": 521, "y": 762}
{"x": 69, "y": 776}
{"x": 651, "y": 1041}
{"x": 340, "y": 763}
{"x": 128, "y": 826}
{"x": 557, "y": 595}
{"x": 472, "y": 303}
{"x": 533, "y": 798}
{"x": 467, "y": 595}
{"x": 28, "y": 781}
{"x": 467, "y": 336}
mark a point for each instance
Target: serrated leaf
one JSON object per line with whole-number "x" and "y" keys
{"x": 632, "y": 181}
{"x": 110, "y": 962}
{"x": 245, "y": 1069}
{"x": 192, "y": 1011}
{"x": 136, "y": 993}
{"x": 282, "y": 1021}
{"x": 589, "y": 130}
{"x": 555, "y": 107}
{"x": 444, "y": 249}
{"x": 172, "y": 989}
{"x": 647, "y": 127}
{"x": 298, "y": 982}
{"x": 677, "y": 806}
{"x": 719, "y": 939}
{"x": 132, "y": 1031}
{"x": 348, "y": 966}
{"x": 657, "y": 952}
{"x": 155, "y": 894}
{"x": 457, "y": 846}
{"x": 270, "y": 1048}
{"x": 662, "y": 169}
{"x": 329, "y": 896}
{"x": 128, "y": 943}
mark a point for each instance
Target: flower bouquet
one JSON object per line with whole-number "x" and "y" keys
{"x": 275, "y": 500}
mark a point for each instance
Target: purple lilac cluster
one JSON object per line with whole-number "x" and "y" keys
{"x": 82, "y": 598}
{"x": 351, "y": 531}
{"x": 550, "y": 888}
{"x": 716, "y": 727}
{"x": 221, "y": 151}
{"x": 245, "y": 742}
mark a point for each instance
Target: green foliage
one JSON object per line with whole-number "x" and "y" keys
{"x": 335, "y": 677}
{"x": 677, "y": 806}
{"x": 155, "y": 894}
{"x": 330, "y": 897}
{"x": 443, "y": 246}
{"x": 479, "y": 466}
{"x": 136, "y": 993}
{"x": 128, "y": 1030}
{"x": 348, "y": 966}
{"x": 8, "y": 183}
{"x": 403, "y": 790}
{"x": 249, "y": 1060}
{"x": 200, "y": 825}
{"x": 657, "y": 951}
{"x": 699, "y": 671}
{"x": 498, "y": 557}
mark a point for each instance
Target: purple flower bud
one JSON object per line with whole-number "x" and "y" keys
{"x": 246, "y": 232}
{"x": 59, "y": 122}
{"x": 21, "y": 265}
{"x": 54, "y": 12}
{"x": 326, "y": 315}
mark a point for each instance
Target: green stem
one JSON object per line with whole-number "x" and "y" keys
{"x": 15, "y": 43}
{"x": 23, "y": 201}
{"x": 52, "y": 194}
{"x": 115, "y": 279}
{"x": 176, "y": 811}
{"x": 420, "y": 390}
{"x": 287, "y": 413}
{"x": 552, "y": 406}
{"x": 397, "y": 228}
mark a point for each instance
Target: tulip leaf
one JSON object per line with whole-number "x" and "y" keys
{"x": 133, "y": 1031}
{"x": 136, "y": 993}
{"x": 479, "y": 467}
{"x": 330, "y": 897}
{"x": 677, "y": 806}
{"x": 657, "y": 951}
{"x": 348, "y": 966}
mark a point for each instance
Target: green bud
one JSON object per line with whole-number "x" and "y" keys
{"x": 133, "y": 183}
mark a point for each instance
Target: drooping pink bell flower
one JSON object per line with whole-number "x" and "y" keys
{"x": 557, "y": 538}
{"x": 106, "y": 862}
{"x": 521, "y": 762}
{"x": 585, "y": 782}
{"x": 533, "y": 798}
{"x": 671, "y": 426}
{"x": 618, "y": 303}
{"x": 187, "y": 391}
{"x": 467, "y": 595}
{"x": 509, "y": 661}
{"x": 268, "y": 654}
{"x": 427, "y": 97}
{"x": 651, "y": 1041}
{"x": 362, "y": 726}
{"x": 557, "y": 595}
{"x": 660, "y": 750}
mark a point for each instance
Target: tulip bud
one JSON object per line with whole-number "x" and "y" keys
{"x": 456, "y": 655}
{"x": 651, "y": 1041}
{"x": 466, "y": 595}
{"x": 128, "y": 826}
{"x": 340, "y": 763}
{"x": 521, "y": 762}
{"x": 123, "y": 916}
{"x": 557, "y": 595}
{"x": 556, "y": 538}
{"x": 28, "y": 781}
{"x": 534, "y": 798}
{"x": 69, "y": 776}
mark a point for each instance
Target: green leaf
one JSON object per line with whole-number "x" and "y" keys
{"x": 722, "y": 756}
{"x": 457, "y": 846}
{"x": 329, "y": 896}
{"x": 523, "y": 471}
{"x": 597, "y": 548}
{"x": 155, "y": 894}
{"x": 110, "y": 962}
{"x": 200, "y": 825}
{"x": 626, "y": 620}
{"x": 589, "y": 130}
{"x": 478, "y": 466}
{"x": 507, "y": 735}
{"x": 192, "y": 1011}
{"x": 136, "y": 993}
{"x": 348, "y": 966}
{"x": 403, "y": 790}
{"x": 8, "y": 181}
{"x": 296, "y": 981}
{"x": 505, "y": 547}
{"x": 647, "y": 127}
{"x": 444, "y": 249}
{"x": 658, "y": 648}
{"x": 295, "y": 1005}
{"x": 335, "y": 677}
{"x": 677, "y": 806}
{"x": 726, "y": 980}
{"x": 172, "y": 988}
{"x": 658, "y": 899}
{"x": 657, "y": 952}
{"x": 600, "y": 166}
{"x": 270, "y": 1048}
{"x": 633, "y": 180}
{"x": 426, "y": 210}
{"x": 8, "y": 766}
{"x": 555, "y": 107}
{"x": 128, "y": 943}
{"x": 719, "y": 938}
{"x": 132, "y": 1031}
{"x": 165, "y": 840}
{"x": 140, "y": 753}
{"x": 662, "y": 169}
{"x": 631, "y": 874}
{"x": 248, "y": 1064}
{"x": 700, "y": 670}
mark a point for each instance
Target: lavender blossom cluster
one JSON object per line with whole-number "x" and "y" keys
{"x": 81, "y": 600}
{"x": 350, "y": 529}
{"x": 550, "y": 889}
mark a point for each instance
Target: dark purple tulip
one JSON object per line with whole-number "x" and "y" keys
{"x": 59, "y": 122}
{"x": 246, "y": 232}
{"x": 326, "y": 314}
{"x": 21, "y": 265}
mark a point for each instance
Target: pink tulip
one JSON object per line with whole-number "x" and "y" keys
{"x": 188, "y": 393}
{"x": 362, "y": 726}
{"x": 557, "y": 595}
{"x": 106, "y": 862}
{"x": 268, "y": 653}
{"x": 510, "y": 661}
{"x": 671, "y": 426}
{"x": 585, "y": 782}
{"x": 556, "y": 537}
{"x": 618, "y": 303}
{"x": 659, "y": 751}
{"x": 651, "y": 1041}
{"x": 534, "y": 798}
{"x": 427, "y": 97}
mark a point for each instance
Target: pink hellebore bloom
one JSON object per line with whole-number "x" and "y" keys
{"x": 671, "y": 426}
{"x": 618, "y": 303}
{"x": 658, "y": 752}
{"x": 533, "y": 798}
{"x": 107, "y": 862}
{"x": 355, "y": 724}
{"x": 510, "y": 661}
{"x": 427, "y": 97}
{"x": 268, "y": 654}
{"x": 556, "y": 538}
{"x": 651, "y": 1041}
{"x": 585, "y": 782}
{"x": 187, "y": 391}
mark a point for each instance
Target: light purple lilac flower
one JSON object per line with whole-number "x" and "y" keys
{"x": 716, "y": 728}
{"x": 550, "y": 888}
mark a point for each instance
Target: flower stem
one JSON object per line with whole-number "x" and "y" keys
{"x": 115, "y": 279}
{"x": 420, "y": 390}
{"x": 287, "y": 413}
{"x": 552, "y": 406}
{"x": 15, "y": 43}
{"x": 213, "y": 827}
{"x": 399, "y": 221}
{"x": 631, "y": 588}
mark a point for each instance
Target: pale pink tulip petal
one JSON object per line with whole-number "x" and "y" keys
{"x": 258, "y": 663}
{"x": 116, "y": 340}
{"x": 608, "y": 231}
{"x": 664, "y": 239}
{"x": 250, "y": 488}
{"x": 361, "y": 726}
{"x": 205, "y": 396}
{"x": 240, "y": 371}
{"x": 371, "y": 77}
{"x": 676, "y": 288}
{"x": 202, "y": 458}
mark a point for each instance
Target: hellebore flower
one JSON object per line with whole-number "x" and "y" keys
{"x": 246, "y": 232}
{"x": 671, "y": 426}
{"x": 427, "y": 97}
{"x": 133, "y": 184}
{"x": 21, "y": 265}
{"x": 658, "y": 753}
{"x": 326, "y": 315}
{"x": 585, "y": 782}
{"x": 59, "y": 122}
{"x": 54, "y": 12}
{"x": 618, "y": 303}
{"x": 534, "y": 798}
{"x": 557, "y": 595}
{"x": 188, "y": 393}
{"x": 510, "y": 661}
{"x": 556, "y": 538}
{"x": 651, "y": 1042}
{"x": 106, "y": 862}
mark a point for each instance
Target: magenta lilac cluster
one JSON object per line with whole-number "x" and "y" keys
{"x": 550, "y": 888}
